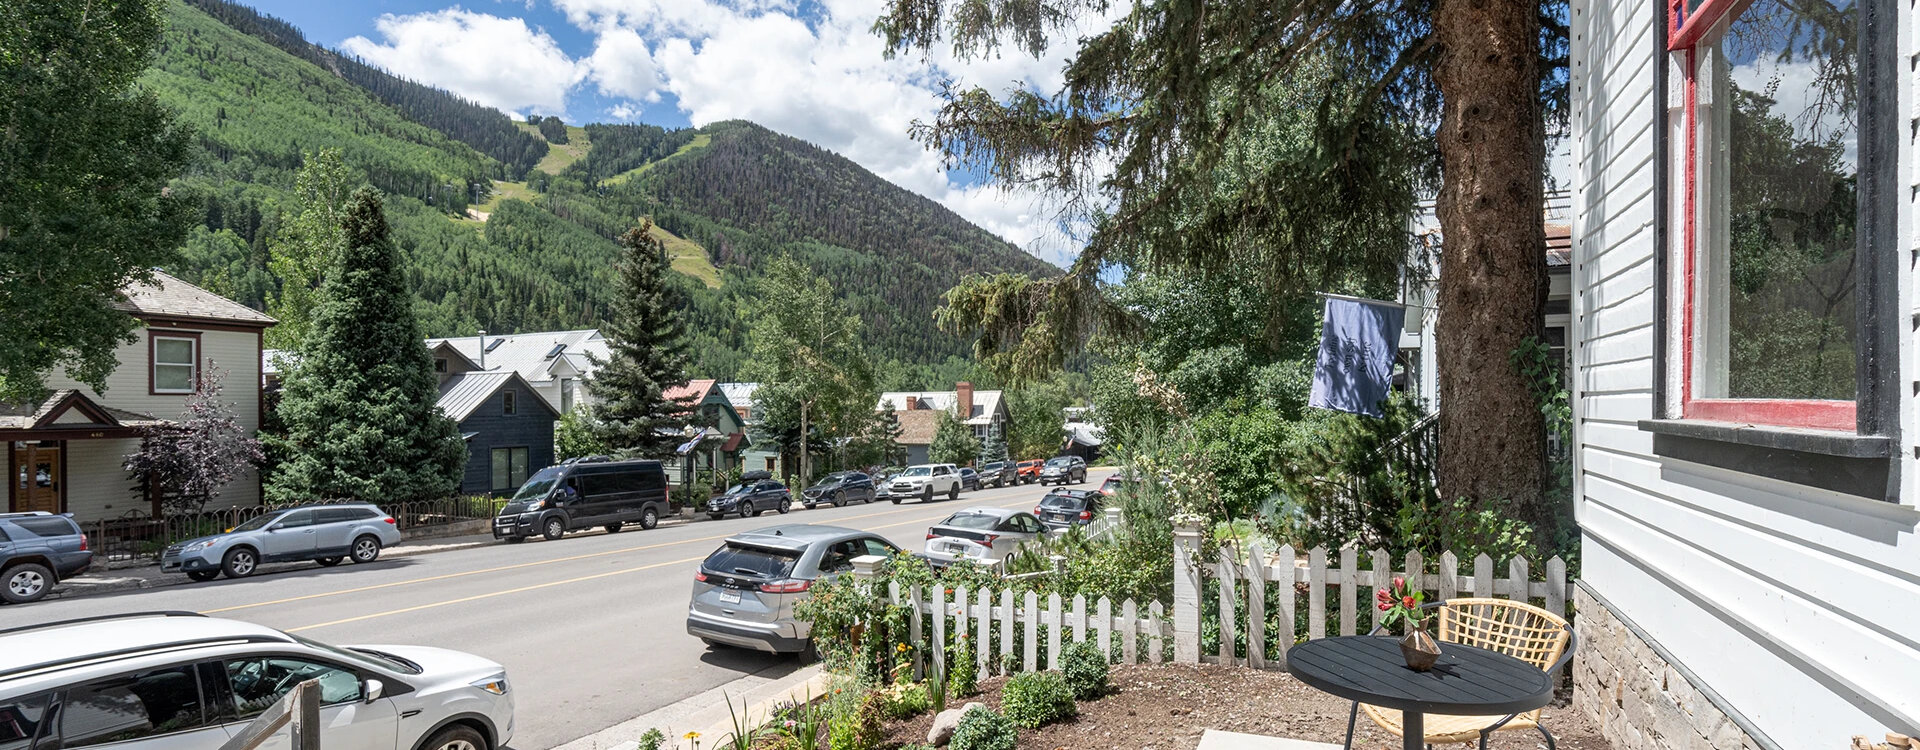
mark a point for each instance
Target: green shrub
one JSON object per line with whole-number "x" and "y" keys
{"x": 905, "y": 700}
{"x": 1086, "y": 670}
{"x": 984, "y": 729}
{"x": 651, "y": 739}
{"x": 1035, "y": 699}
{"x": 963, "y": 678}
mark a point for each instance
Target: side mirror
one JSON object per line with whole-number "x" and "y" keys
{"x": 372, "y": 689}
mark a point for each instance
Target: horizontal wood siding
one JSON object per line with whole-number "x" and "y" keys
{"x": 1795, "y": 605}
{"x": 530, "y": 426}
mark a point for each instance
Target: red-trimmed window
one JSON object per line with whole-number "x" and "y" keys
{"x": 1767, "y": 311}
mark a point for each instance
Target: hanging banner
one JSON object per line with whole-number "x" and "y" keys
{"x": 1357, "y": 346}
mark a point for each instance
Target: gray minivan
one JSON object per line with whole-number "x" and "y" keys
{"x": 745, "y": 591}
{"x": 584, "y": 494}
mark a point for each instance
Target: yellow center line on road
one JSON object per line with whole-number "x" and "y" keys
{"x": 523, "y": 589}
{"x": 640, "y": 548}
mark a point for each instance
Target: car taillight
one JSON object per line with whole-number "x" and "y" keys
{"x": 83, "y": 543}
{"x": 390, "y": 521}
{"x": 1086, "y": 514}
{"x": 987, "y": 542}
{"x": 700, "y": 575}
{"x": 931, "y": 535}
{"x": 786, "y": 587}
{"x": 1036, "y": 510}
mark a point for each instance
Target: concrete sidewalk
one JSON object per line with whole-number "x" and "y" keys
{"x": 707, "y": 713}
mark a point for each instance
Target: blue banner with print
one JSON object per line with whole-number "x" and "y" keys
{"x": 1357, "y": 346}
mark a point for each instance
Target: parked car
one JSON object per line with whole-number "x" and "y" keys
{"x": 1028, "y": 471}
{"x": 839, "y": 488}
{"x": 751, "y": 499}
{"x": 1113, "y": 483}
{"x": 325, "y": 534}
{"x": 924, "y": 481}
{"x": 583, "y": 494}
{"x": 969, "y": 479}
{"x": 999, "y": 474}
{"x": 745, "y": 591}
{"x": 988, "y": 536}
{"x": 171, "y": 680}
{"x": 1064, "y": 470}
{"x": 1063, "y": 507}
{"x": 37, "y": 551}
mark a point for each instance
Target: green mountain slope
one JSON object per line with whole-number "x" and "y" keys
{"x": 536, "y": 254}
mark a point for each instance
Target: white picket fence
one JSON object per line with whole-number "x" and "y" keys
{"x": 992, "y": 624}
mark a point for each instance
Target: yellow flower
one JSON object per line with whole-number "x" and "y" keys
{"x": 902, "y": 648}
{"x": 692, "y": 735}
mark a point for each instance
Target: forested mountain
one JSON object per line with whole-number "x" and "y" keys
{"x": 536, "y": 254}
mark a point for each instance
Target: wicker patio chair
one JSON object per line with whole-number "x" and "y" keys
{"x": 1514, "y": 628}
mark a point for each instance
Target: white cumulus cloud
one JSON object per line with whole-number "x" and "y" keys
{"x": 499, "y": 62}
{"x": 622, "y": 66}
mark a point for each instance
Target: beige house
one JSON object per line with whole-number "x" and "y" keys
{"x": 64, "y": 453}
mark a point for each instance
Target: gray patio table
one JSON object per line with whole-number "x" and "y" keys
{"x": 1466, "y": 681}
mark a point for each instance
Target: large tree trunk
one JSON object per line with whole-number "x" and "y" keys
{"x": 1493, "y": 265}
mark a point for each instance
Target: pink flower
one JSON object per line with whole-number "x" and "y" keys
{"x": 1385, "y": 606}
{"x": 1399, "y": 583}
{"x": 1407, "y": 601}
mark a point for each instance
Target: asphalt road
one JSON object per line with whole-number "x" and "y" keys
{"x": 591, "y": 628}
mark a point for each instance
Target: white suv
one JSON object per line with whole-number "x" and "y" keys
{"x": 925, "y": 480}
{"x": 177, "y": 680}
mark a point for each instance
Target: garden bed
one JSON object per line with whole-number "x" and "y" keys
{"x": 1168, "y": 706}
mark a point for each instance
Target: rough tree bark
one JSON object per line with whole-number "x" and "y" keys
{"x": 1493, "y": 268}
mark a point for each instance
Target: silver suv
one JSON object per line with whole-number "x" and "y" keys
{"x": 180, "y": 681}
{"x": 745, "y": 591}
{"x": 325, "y": 534}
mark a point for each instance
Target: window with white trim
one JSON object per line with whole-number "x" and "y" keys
{"x": 1770, "y": 245}
{"x": 176, "y": 363}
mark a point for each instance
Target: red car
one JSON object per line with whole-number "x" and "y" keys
{"x": 1028, "y": 471}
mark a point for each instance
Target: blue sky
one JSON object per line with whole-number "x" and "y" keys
{"x": 810, "y": 69}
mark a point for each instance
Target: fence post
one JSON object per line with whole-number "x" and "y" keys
{"x": 1186, "y": 594}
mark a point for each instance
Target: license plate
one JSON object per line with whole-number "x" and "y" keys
{"x": 729, "y": 597}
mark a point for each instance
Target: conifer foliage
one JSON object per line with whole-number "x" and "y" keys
{"x": 359, "y": 408}
{"x": 647, "y": 338}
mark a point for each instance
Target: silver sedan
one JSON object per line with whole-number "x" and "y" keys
{"x": 987, "y": 536}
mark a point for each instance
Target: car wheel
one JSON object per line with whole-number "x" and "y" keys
{"x": 809, "y": 506}
{"x": 203, "y": 576}
{"x": 516, "y": 539}
{"x": 836, "y": 501}
{"x": 954, "y": 494}
{"x": 240, "y": 562}
{"x": 612, "y": 528}
{"x": 786, "y": 505}
{"x": 747, "y": 510}
{"x": 649, "y": 518}
{"x": 716, "y": 516}
{"x": 554, "y": 528}
{"x": 456, "y": 737}
{"x": 328, "y": 562}
{"x": 926, "y": 496}
{"x": 366, "y": 549}
{"x": 809, "y": 654}
{"x": 896, "y": 499}
{"x": 27, "y": 582}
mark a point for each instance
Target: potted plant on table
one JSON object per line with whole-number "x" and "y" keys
{"x": 1400, "y": 606}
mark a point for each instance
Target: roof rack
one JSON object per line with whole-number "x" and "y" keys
{"x": 100, "y": 618}
{"x": 137, "y": 650}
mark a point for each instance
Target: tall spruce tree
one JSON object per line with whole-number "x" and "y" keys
{"x": 648, "y": 341}
{"x": 359, "y": 409}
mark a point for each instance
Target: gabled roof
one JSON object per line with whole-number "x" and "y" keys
{"x": 533, "y": 355}
{"x": 917, "y": 426}
{"x": 454, "y": 351}
{"x": 465, "y": 392}
{"x": 985, "y": 403}
{"x": 170, "y": 297}
{"x": 69, "y": 409}
{"x": 693, "y": 393}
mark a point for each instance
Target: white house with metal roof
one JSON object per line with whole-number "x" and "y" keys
{"x": 555, "y": 364}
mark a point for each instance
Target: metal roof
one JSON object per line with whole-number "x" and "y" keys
{"x": 465, "y": 392}
{"x": 533, "y": 355}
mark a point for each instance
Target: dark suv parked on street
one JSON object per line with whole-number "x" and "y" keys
{"x": 38, "y": 550}
{"x": 751, "y": 499}
{"x": 584, "y": 494}
{"x": 840, "y": 488}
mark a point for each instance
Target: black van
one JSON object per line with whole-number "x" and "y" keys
{"x": 583, "y": 494}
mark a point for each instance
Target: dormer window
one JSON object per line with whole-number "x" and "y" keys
{"x": 440, "y": 364}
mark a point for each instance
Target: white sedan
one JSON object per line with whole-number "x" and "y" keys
{"x": 987, "y": 536}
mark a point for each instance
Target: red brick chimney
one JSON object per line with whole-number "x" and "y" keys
{"x": 912, "y": 403}
{"x": 963, "y": 394}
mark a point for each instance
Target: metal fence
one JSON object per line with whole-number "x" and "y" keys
{"x": 137, "y": 536}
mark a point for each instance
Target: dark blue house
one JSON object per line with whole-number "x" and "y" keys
{"x": 507, "y": 425}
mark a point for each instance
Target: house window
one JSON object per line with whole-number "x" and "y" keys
{"x": 439, "y": 364}
{"x": 509, "y": 468}
{"x": 176, "y": 363}
{"x": 566, "y": 395}
{"x": 507, "y": 404}
{"x": 1774, "y": 244}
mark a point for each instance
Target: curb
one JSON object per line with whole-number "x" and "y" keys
{"x": 708, "y": 712}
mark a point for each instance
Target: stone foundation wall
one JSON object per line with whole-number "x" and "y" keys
{"x": 1639, "y": 700}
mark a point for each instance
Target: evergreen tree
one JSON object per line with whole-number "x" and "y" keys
{"x": 994, "y": 448}
{"x": 359, "y": 410}
{"x": 953, "y": 442}
{"x": 648, "y": 340}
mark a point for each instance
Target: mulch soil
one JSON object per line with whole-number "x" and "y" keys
{"x": 1168, "y": 706}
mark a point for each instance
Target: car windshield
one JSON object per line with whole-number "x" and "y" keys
{"x": 966, "y": 520}
{"x": 831, "y": 479}
{"x": 258, "y": 523}
{"x": 1063, "y": 502}
{"x": 740, "y": 559}
{"x": 740, "y": 489}
{"x": 917, "y": 471}
{"x": 1060, "y": 462}
{"x": 363, "y": 658}
{"x": 539, "y": 484}
{"x": 996, "y": 466}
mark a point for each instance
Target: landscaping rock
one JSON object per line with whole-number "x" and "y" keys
{"x": 945, "y": 722}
